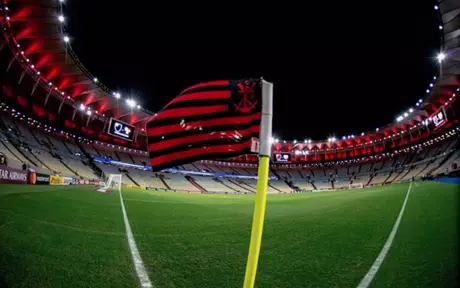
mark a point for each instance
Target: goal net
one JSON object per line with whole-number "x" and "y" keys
{"x": 356, "y": 185}
{"x": 113, "y": 182}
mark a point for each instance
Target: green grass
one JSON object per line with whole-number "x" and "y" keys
{"x": 74, "y": 237}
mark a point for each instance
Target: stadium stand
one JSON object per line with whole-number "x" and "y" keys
{"x": 179, "y": 182}
{"x": 52, "y": 152}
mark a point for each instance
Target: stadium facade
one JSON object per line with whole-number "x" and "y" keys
{"x": 59, "y": 119}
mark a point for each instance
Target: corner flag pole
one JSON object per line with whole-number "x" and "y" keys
{"x": 262, "y": 183}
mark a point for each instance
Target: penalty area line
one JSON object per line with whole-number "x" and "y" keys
{"x": 137, "y": 260}
{"x": 366, "y": 281}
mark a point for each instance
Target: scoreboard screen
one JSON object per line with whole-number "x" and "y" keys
{"x": 282, "y": 157}
{"x": 121, "y": 129}
{"x": 439, "y": 118}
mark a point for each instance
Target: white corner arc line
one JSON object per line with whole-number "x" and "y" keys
{"x": 366, "y": 281}
{"x": 137, "y": 260}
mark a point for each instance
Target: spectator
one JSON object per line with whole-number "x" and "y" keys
{"x": 24, "y": 166}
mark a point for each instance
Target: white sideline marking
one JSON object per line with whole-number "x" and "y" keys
{"x": 138, "y": 264}
{"x": 366, "y": 281}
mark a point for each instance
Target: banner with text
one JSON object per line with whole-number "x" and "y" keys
{"x": 67, "y": 180}
{"x": 56, "y": 180}
{"x": 38, "y": 178}
{"x": 12, "y": 176}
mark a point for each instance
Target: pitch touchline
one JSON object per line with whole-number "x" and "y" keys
{"x": 138, "y": 264}
{"x": 366, "y": 281}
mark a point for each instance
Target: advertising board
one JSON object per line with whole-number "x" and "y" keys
{"x": 56, "y": 180}
{"x": 12, "y": 176}
{"x": 67, "y": 180}
{"x": 38, "y": 178}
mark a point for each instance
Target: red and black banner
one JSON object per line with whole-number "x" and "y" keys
{"x": 206, "y": 121}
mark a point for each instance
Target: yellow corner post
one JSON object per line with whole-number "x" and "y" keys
{"x": 262, "y": 183}
{"x": 257, "y": 222}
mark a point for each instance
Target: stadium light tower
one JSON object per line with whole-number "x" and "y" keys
{"x": 117, "y": 96}
{"x": 441, "y": 57}
{"x": 131, "y": 103}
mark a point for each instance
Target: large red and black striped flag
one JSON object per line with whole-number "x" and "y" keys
{"x": 206, "y": 121}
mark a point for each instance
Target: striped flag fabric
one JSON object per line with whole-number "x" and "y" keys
{"x": 211, "y": 120}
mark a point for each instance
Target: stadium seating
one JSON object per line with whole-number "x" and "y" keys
{"x": 179, "y": 182}
{"x": 213, "y": 184}
{"x": 279, "y": 186}
{"x": 51, "y": 152}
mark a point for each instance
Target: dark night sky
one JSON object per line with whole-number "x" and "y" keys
{"x": 338, "y": 69}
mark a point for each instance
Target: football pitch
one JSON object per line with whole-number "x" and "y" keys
{"x": 55, "y": 236}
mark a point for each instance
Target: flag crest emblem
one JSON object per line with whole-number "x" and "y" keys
{"x": 247, "y": 99}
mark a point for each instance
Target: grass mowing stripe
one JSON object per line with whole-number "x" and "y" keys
{"x": 43, "y": 253}
{"x": 378, "y": 262}
{"x": 137, "y": 260}
{"x": 57, "y": 225}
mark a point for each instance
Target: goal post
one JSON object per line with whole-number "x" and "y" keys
{"x": 356, "y": 186}
{"x": 113, "y": 182}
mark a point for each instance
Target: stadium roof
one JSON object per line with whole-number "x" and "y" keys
{"x": 449, "y": 15}
{"x": 38, "y": 32}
